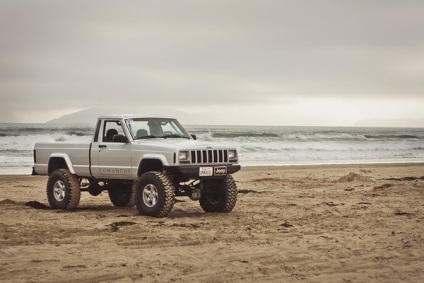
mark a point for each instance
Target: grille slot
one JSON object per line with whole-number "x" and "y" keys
{"x": 209, "y": 156}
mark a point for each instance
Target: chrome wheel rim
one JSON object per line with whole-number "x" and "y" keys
{"x": 59, "y": 190}
{"x": 150, "y": 195}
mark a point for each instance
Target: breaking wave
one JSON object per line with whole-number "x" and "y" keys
{"x": 393, "y": 137}
{"x": 257, "y": 145}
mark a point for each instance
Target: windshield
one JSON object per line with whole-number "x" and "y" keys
{"x": 156, "y": 128}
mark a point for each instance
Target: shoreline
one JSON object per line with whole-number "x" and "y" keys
{"x": 297, "y": 166}
{"x": 309, "y": 165}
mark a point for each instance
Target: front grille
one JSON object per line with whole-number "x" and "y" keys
{"x": 209, "y": 156}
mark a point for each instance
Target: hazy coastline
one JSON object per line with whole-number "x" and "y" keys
{"x": 258, "y": 145}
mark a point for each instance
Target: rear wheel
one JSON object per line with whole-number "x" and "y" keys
{"x": 122, "y": 195}
{"x": 155, "y": 194}
{"x": 219, "y": 195}
{"x": 63, "y": 190}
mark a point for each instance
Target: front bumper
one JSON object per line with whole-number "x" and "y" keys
{"x": 217, "y": 171}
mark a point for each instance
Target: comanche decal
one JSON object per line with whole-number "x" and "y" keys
{"x": 117, "y": 171}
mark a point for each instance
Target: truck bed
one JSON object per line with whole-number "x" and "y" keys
{"x": 77, "y": 154}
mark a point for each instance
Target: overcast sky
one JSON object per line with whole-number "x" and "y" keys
{"x": 321, "y": 63}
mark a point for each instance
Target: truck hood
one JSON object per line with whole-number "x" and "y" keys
{"x": 181, "y": 144}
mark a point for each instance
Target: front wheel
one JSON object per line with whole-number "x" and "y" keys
{"x": 219, "y": 195}
{"x": 63, "y": 190}
{"x": 155, "y": 194}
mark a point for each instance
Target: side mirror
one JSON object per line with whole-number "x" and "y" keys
{"x": 120, "y": 138}
{"x": 193, "y": 136}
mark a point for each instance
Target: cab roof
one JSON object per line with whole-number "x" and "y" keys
{"x": 133, "y": 116}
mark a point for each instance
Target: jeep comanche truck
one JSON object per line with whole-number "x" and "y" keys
{"x": 139, "y": 160}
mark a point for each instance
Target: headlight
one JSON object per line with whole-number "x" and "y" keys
{"x": 183, "y": 157}
{"x": 232, "y": 155}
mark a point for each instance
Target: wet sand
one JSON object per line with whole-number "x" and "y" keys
{"x": 344, "y": 223}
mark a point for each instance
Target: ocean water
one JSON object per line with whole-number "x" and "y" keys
{"x": 257, "y": 145}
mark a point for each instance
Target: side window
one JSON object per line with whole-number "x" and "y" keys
{"x": 110, "y": 129}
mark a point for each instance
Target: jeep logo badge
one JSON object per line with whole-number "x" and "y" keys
{"x": 220, "y": 170}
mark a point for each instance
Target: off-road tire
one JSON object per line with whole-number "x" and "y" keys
{"x": 63, "y": 190}
{"x": 219, "y": 195}
{"x": 122, "y": 195}
{"x": 154, "y": 194}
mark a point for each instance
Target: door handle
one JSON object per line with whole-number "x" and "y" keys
{"x": 102, "y": 146}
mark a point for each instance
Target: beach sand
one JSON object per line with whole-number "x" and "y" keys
{"x": 344, "y": 223}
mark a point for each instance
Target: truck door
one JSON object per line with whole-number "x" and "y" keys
{"x": 110, "y": 159}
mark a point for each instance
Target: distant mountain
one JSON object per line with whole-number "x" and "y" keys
{"x": 86, "y": 117}
{"x": 89, "y": 116}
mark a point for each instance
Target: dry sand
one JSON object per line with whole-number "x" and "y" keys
{"x": 308, "y": 224}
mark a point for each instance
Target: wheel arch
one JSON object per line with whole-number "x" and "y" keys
{"x": 151, "y": 163}
{"x": 60, "y": 161}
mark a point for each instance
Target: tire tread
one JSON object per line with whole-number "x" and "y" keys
{"x": 228, "y": 190}
{"x": 168, "y": 191}
{"x": 74, "y": 188}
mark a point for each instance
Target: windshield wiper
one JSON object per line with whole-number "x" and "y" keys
{"x": 174, "y": 136}
{"x": 148, "y": 137}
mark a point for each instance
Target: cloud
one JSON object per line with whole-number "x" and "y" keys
{"x": 188, "y": 54}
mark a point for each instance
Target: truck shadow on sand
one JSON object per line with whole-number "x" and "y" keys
{"x": 122, "y": 212}
{"x": 34, "y": 204}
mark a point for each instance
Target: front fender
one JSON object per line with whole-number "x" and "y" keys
{"x": 160, "y": 157}
{"x": 152, "y": 162}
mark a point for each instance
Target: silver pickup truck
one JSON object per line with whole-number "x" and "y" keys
{"x": 140, "y": 160}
